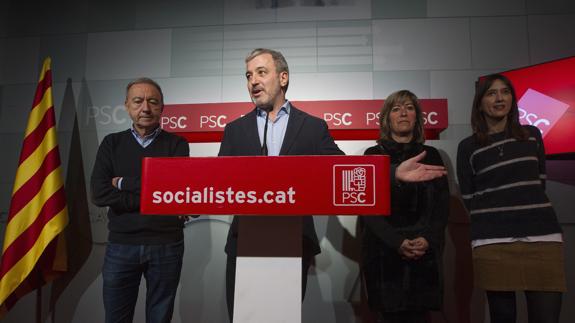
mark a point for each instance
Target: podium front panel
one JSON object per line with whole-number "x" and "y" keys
{"x": 266, "y": 185}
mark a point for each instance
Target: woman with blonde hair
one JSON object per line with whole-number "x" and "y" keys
{"x": 402, "y": 253}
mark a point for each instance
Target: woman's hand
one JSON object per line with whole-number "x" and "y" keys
{"x": 413, "y": 249}
{"x": 421, "y": 244}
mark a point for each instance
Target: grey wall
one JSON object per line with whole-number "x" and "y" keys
{"x": 337, "y": 49}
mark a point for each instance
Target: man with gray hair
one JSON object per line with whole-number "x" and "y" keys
{"x": 152, "y": 246}
{"x": 294, "y": 133}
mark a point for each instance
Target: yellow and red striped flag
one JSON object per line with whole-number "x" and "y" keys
{"x": 34, "y": 252}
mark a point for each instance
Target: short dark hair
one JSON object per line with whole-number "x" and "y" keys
{"x": 478, "y": 123}
{"x": 145, "y": 80}
{"x": 279, "y": 60}
{"x": 393, "y": 99}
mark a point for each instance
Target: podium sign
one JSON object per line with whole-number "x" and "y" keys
{"x": 266, "y": 185}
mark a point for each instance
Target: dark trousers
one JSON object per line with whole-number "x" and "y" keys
{"x": 231, "y": 281}
{"x": 124, "y": 266}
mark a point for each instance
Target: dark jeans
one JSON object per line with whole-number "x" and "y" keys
{"x": 124, "y": 266}
{"x": 231, "y": 281}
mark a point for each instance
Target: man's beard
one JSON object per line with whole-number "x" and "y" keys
{"x": 266, "y": 106}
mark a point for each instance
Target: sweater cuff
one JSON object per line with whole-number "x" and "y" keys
{"x": 131, "y": 184}
{"x": 394, "y": 241}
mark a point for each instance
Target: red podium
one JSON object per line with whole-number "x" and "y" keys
{"x": 271, "y": 194}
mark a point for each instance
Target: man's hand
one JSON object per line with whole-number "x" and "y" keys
{"x": 412, "y": 170}
{"x": 115, "y": 181}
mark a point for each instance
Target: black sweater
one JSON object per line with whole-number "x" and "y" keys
{"x": 503, "y": 186}
{"x": 412, "y": 212}
{"x": 120, "y": 155}
{"x": 417, "y": 210}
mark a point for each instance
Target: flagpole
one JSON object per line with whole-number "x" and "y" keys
{"x": 39, "y": 303}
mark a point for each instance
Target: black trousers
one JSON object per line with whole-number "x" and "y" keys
{"x": 231, "y": 281}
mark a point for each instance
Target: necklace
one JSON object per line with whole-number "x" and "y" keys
{"x": 500, "y": 148}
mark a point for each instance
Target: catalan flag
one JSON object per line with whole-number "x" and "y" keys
{"x": 34, "y": 252}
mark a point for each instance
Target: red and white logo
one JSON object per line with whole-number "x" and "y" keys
{"x": 540, "y": 110}
{"x": 353, "y": 185}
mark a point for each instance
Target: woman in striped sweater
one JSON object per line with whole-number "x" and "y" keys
{"x": 516, "y": 239}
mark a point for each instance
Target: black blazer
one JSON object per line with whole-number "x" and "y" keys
{"x": 305, "y": 135}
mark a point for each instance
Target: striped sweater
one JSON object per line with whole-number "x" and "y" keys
{"x": 503, "y": 186}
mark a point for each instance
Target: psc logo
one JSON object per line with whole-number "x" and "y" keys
{"x": 353, "y": 185}
{"x": 540, "y": 110}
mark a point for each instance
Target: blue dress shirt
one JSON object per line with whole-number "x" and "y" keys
{"x": 276, "y": 129}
